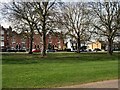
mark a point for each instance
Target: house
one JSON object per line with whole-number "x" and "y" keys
{"x": 103, "y": 45}
{"x": 53, "y": 41}
{"x": 97, "y": 44}
{"x": 11, "y": 40}
{"x": 5, "y": 34}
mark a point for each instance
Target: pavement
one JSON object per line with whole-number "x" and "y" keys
{"x": 101, "y": 84}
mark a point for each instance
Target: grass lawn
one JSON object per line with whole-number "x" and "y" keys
{"x": 57, "y": 69}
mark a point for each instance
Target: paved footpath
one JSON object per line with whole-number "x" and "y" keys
{"x": 101, "y": 84}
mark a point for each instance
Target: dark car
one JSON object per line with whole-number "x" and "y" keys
{"x": 83, "y": 50}
{"x": 97, "y": 49}
{"x": 51, "y": 50}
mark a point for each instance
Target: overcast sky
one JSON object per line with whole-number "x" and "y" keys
{"x": 51, "y": 0}
{"x": 4, "y": 23}
{"x": 7, "y": 24}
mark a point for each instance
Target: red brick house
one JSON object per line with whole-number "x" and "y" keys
{"x": 53, "y": 40}
{"x": 10, "y": 40}
{"x": 5, "y": 37}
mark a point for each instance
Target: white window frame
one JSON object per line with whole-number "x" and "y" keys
{"x": 2, "y": 37}
{"x": 2, "y": 32}
{"x": 2, "y": 43}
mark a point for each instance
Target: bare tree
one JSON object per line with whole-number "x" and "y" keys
{"x": 45, "y": 12}
{"x": 75, "y": 19}
{"x": 22, "y": 14}
{"x": 37, "y": 15}
{"x": 107, "y": 20}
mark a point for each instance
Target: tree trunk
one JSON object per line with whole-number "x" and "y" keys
{"x": 110, "y": 45}
{"x": 44, "y": 37}
{"x": 31, "y": 41}
{"x": 78, "y": 45}
{"x": 44, "y": 45}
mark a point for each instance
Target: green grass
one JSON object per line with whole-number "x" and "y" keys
{"x": 57, "y": 69}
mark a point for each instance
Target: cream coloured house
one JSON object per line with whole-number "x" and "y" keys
{"x": 94, "y": 45}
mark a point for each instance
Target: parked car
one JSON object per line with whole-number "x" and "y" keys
{"x": 51, "y": 50}
{"x": 83, "y": 50}
{"x": 73, "y": 50}
{"x": 89, "y": 50}
{"x": 36, "y": 50}
{"x": 15, "y": 50}
{"x": 97, "y": 49}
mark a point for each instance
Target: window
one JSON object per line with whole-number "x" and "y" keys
{"x": 59, "y": 46}
{"x": 13, "y": 39}
{"x": 2, "y": 43}
{"x": 41, "y": 40}
{"x": 2, "y": 32}
{"x": 58, "y": 40}
{"x": 7, "y": 33}
{"x": 49, "y": 40}
{"x": 23, "y": 46}
{"x": 23, "y": 40}
{"x": 2, "y": 37}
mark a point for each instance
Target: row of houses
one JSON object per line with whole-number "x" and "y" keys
{"x": 10, "y": 40}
